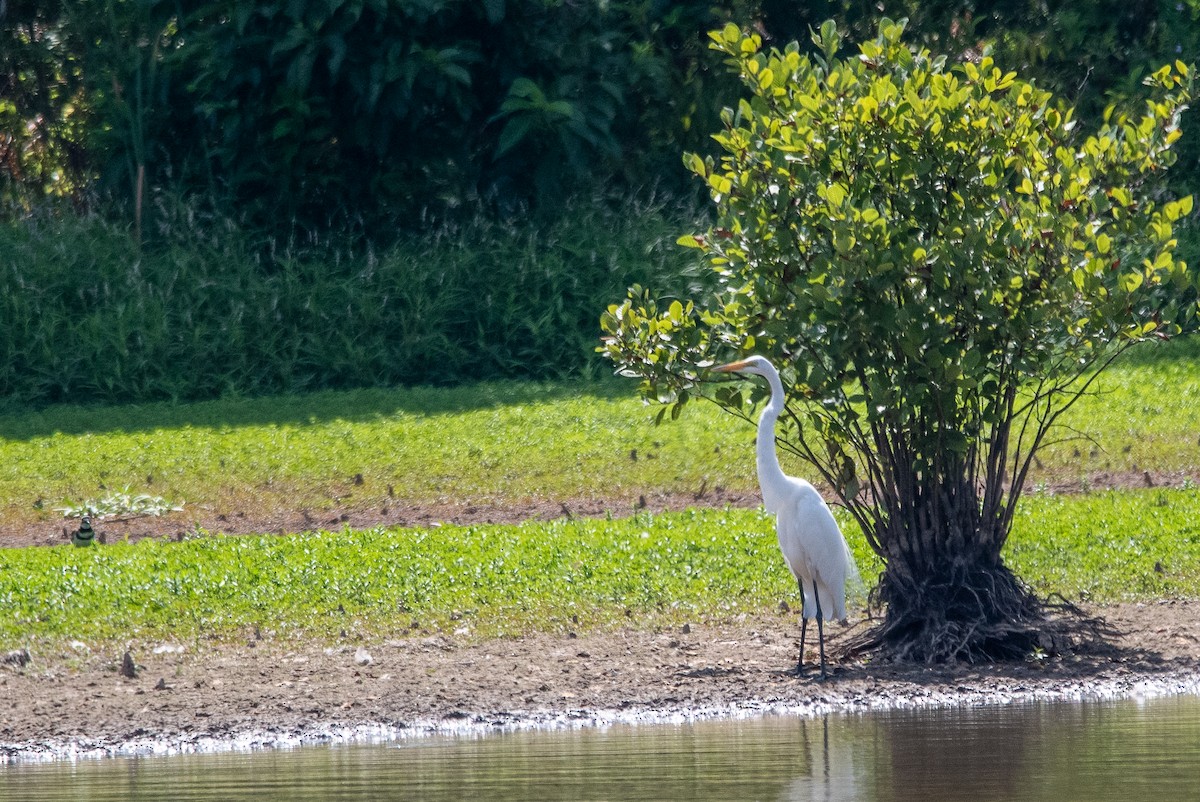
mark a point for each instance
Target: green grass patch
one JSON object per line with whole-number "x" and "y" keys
{"x": 505, "y": 580}
{"x": 498, "y": 444}
{"x": 492, "y": 580}
{"x": 1111, "y": 546}
{"x": 503, "y": 444}
{"x": 1144, "y": 415}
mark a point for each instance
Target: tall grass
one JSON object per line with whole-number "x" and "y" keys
{"x": 208, "y": 309}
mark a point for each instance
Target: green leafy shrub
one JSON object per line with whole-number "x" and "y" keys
{"x": 941, "y": 262}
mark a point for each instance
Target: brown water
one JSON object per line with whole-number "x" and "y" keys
{"x": 1123, "y": 750}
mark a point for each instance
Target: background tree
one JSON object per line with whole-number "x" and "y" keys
{"x": 361, "y": 111}
{"x": 940, "y": 262}
{"x": 42, "y": 107}
{"x": 372, "y": 111}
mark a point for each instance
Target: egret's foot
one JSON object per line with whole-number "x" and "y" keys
{"x": 800, "y": 669}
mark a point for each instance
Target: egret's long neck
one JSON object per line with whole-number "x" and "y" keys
{"x": 770, "y": 476}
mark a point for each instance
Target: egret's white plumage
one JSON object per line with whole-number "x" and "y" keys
{"x": 809, "y": 537}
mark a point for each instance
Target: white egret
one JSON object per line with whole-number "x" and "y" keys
{"x": 809, "y": 537}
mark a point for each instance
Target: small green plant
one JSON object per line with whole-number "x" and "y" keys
{"x": 120, "y": 506}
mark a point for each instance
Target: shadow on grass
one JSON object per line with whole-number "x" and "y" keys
{"x": 1181, "y": 349}
{"x": 305, "y": 408}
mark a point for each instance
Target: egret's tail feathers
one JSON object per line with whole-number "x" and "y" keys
{"x": 856, "y": 589}
{"x": 833, "y": 604}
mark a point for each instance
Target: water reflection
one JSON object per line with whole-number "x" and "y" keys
{"x": 1100, "y": 750}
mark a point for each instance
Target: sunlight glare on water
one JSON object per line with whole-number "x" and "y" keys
{"x": 1122, "y": 750}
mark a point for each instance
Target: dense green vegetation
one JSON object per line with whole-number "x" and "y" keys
{"x": 212, "y": 310}
{"x": 358, "y": 109}
{"x": 351, "y": 110}
{"x": 217, "y": 311}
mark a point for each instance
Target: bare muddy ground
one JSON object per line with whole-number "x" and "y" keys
{"x": 260, "y": 693}
{"x": 383, "y": 512}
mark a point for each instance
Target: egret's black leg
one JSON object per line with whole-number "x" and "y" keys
{"x": 803, "y": 630}
{"x": 820, "y": 628}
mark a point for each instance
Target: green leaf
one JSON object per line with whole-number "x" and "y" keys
{"x": 515, "y": 131}
{"x": 720, "y": 183}
{"x": 494, "y": 9}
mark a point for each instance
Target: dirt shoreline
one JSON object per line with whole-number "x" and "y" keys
{"x": 263, "y": 694}
{"x": 203, "y": 696}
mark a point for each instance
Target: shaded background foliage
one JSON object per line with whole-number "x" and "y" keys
{"x": 174, "y": 147}
{"x": 320, "y": 112}
{"x": 344, "y": 109}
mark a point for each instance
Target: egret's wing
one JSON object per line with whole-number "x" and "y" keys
{"x": 814, "y": 548}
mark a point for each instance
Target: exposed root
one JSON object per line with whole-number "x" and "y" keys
{"x": 976, "y": 614}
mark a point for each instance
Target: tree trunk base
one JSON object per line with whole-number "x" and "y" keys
{"x": 975, "y": 614}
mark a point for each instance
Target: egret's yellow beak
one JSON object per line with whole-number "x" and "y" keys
{"x": 732, "y": 367}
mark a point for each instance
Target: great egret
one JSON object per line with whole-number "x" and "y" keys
{"x": 809, "y": 537}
